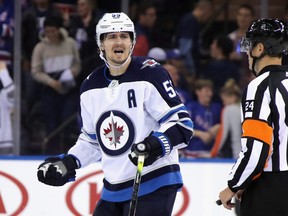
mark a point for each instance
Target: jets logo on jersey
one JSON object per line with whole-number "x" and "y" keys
{"x": 149, "y": 62}
{"x": 115, "y": 132}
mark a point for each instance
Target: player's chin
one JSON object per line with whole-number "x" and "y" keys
{"x": 119, "y": 61}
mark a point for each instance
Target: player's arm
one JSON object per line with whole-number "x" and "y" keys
{"x": 175, "y": 126}
{"x": 165, "y": 105}
{"x": 256, "y": 141}
{"x": 59, "y": 170}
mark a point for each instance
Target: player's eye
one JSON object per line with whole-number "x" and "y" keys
{"x": 111, "y": 36}
{"x": 124, "y": 36}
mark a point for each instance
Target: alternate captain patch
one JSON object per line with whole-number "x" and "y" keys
{"x": 115, "y": 132}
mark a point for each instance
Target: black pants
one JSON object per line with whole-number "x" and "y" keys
{"x": 266, "y": 196}
{"x": 158, "y": 203}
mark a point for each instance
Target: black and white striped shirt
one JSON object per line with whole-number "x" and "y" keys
{"x": 264, "y": 127}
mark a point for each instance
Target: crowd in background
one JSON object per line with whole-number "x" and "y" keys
{"x": 207, "y": 68}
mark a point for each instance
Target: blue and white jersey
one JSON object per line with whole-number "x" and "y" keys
{"x": 119, "y": 111}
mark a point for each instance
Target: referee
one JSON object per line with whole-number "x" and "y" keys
{"x": 259, "y": 178}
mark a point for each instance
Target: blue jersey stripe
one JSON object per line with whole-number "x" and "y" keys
{"x": 169, "y": 114}
{"x": 188, "y": 123}
{"x": 145, "y": 187}
{"x": 92, "y": 136}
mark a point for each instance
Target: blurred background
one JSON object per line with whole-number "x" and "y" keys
{"x": 22, "y": 26}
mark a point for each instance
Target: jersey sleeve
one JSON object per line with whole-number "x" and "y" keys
{"x": 164, "y": 104}
{"x": 256, "y": 137}
{"x": 86, "y": 149}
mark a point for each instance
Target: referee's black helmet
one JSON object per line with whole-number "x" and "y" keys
{"x": 272, "y": 33}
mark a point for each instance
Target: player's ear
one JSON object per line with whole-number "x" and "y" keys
{"x": 132, "y": 47}
{"x": 101, "y": 47}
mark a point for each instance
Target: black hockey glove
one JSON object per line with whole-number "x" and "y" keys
{"x": 57, "y": 171}
{"x": 153, "y": 147}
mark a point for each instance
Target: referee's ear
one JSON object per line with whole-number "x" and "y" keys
{"x": 259, "y": 49}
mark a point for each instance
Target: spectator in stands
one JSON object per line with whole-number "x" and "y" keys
{"x": 147, "y": 16}
{"x": 220, "y": 68}
{"x": 81, "y": 27}
{"x": 66, "y": 7}
{"x": 158, "y": 54}
{"x": 186, "y": 79}
{"x": 227, "y": 143}
{"x": 6, "y": 32}
{"x": 182, "y": 92}
{"x": 175, "y": 58}
{"x": 56, "y": 64}
{"x": 32, "y": 26}
{"x": 244, "y": 17}
{"x": 205, "y": 115}
{"x": 6, "y": 109}
{"x": 187, "y": 34}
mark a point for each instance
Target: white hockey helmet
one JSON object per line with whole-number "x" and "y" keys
{"x": 114, "y": 22}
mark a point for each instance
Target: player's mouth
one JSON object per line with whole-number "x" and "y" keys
{"x": 118, "y": 51}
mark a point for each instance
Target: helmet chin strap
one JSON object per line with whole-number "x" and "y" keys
{"x": 113, "y": 66}
{"x": 116, "y": 66}
{"x": 255, "y": 58}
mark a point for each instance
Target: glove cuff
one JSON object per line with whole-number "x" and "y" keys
{"x": 157, "y": 138}
{"x": 70, "y": 161}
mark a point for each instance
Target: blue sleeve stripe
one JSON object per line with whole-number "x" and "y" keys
{"x": 187, "y": 123}
{"x": 145, "y": 187}
{"x": 170, "y": 113}
{"x": 92, "y": 136}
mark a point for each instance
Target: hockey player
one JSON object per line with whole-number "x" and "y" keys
{"x": 260, "y": 175}
{"x": 128, "y": 107}
{"x": 6, "y": 108}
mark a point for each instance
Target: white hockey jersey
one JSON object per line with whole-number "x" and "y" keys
{"x": 119, "y": 111}
{"x": 6, "y": 106}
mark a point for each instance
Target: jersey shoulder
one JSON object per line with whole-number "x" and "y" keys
{"x": 147, "y": 69}
{"x": 96, "y": 79}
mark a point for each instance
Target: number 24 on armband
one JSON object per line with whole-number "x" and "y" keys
{"x": 249, "y": 106}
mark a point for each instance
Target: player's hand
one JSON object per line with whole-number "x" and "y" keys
{"x": 153, "y": 147}
{"x": 57, "y": 171}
